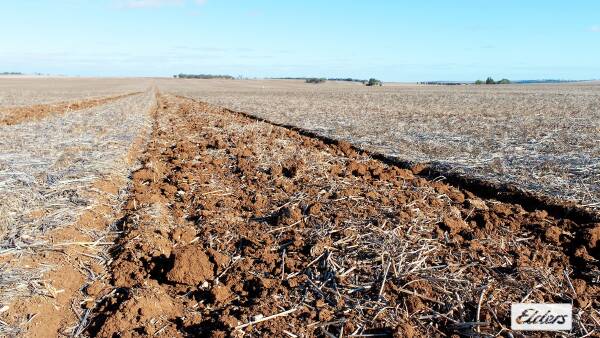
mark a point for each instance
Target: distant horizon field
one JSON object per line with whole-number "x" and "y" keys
{"x": 546, "y": 80}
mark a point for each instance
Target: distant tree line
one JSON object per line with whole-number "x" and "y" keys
{"x": 442, "y": 83}
{"x": 348, "y": 79}
{"x": 291, "y": 78}
{"x": 11, "y": 73}
{"x": 316, "y": 80}
{"x": 203, "y": 76}
{"x": 490, "y": 80}
{"x": 370, "y": 82}
{"x": 548, "y": 81}
{"x": 374, "y": 82}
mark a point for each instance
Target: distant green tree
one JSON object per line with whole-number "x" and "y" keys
{"x": 504, "y": 81}
{"x": 489, "y": 80}
{"x": 374, "y": 82}
{"x": 478, "y": 82}
{"x": 316, "y": 80}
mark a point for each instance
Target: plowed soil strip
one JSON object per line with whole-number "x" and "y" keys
{"x": 11, "y": 116}
{"x": 237, "y": 227}
{"x": 505, "y": 192}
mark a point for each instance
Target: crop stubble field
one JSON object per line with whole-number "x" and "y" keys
{"x": 217, "y": 224}
{"x": 26, "y": 91}
{"x": 544, "y": 138}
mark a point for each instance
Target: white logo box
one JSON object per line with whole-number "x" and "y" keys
{"x": 541, "y": 317}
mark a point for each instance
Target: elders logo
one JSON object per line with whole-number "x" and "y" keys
{"x": 541, "y": 317}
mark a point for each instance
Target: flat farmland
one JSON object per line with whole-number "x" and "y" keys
{"x": 209, "y": 208}
{"x": 18, "y": 91}
{"x": 542, "y": 138}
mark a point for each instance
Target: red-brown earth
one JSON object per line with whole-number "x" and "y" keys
{"x": 236, "y": 227}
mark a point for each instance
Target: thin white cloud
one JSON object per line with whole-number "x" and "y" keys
{"x": 595, "y": 28}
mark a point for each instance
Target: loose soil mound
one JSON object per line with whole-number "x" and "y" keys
{"x": 17, "y": 115}
{"x": 240, "y": 227}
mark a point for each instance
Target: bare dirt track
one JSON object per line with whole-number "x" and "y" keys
{"x": 238, "y": 227}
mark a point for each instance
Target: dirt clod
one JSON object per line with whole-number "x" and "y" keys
{"x": 453, "y": 225}
{"x": 593, "y": 236}
{"x": 191, "y": 266}
{"x": 553, "y": 234}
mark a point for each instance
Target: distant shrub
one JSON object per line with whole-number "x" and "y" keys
{"x": 489, "y": 80}
{"x": 316, "y": 80}
{"x": 347, "y": 79}
{"x": 374, "y": 82}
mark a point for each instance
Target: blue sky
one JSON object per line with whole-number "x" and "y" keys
{"x": 390, "y": 40}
